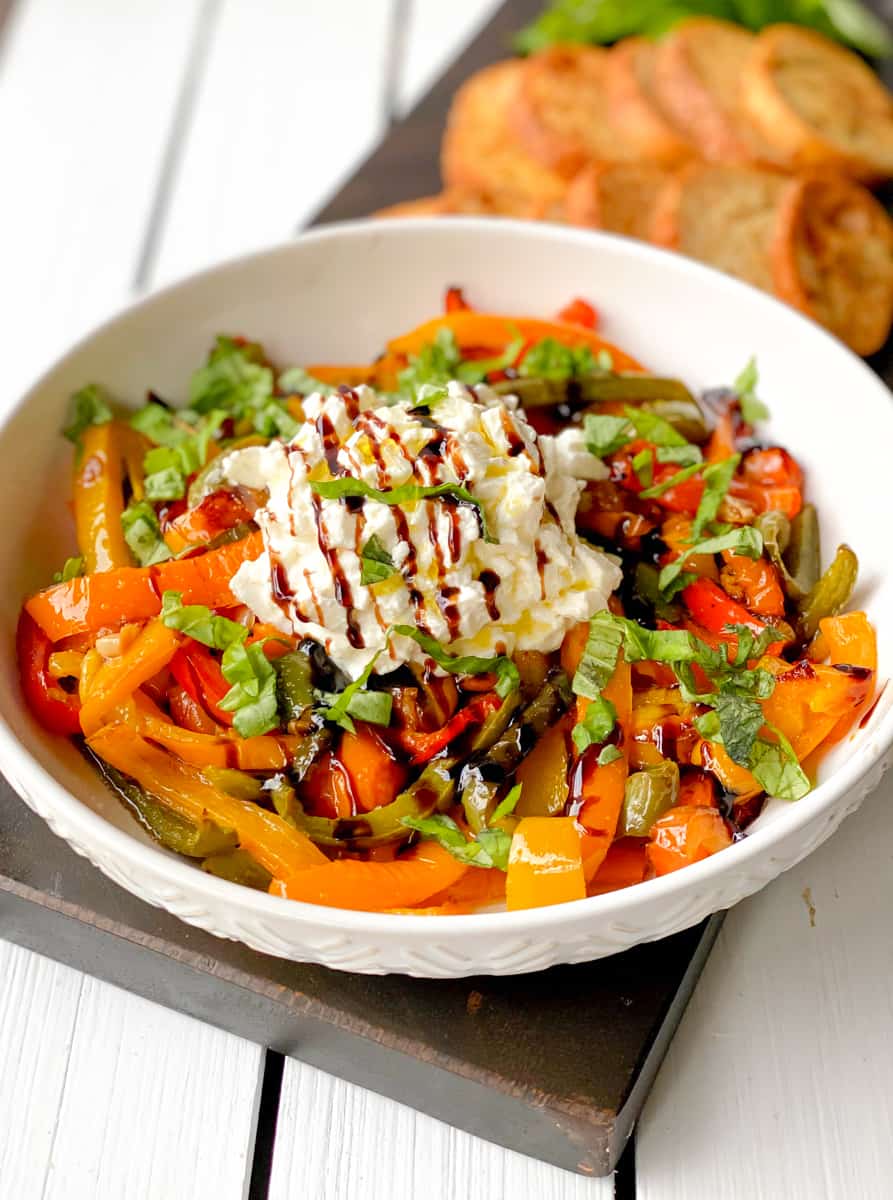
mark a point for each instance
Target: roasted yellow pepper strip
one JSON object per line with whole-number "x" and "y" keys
{"x": 117, "y": 679}
{"x": 545, "y": 863}
{"x": 99, "y": 498}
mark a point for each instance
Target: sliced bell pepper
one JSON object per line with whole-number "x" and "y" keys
{"x": 118, "y": 678}
{"x": 99, "y": 497}
{"x": 111, "y": 598}
{"x": 600, "y": 789}
{"x": 788, "y": 500}
{"x": 198, "y": 672}
{"x": 810, "y": 699}
{"x": 545, "y": 863}
{"x": 734, "y": 778}
{"x": 851, "y": 639}
{"x": 423, "y": 746}
{"x": 543, "y": 775}
{"x": 327, "y": 790}
{"x": 771, "y": 467}
{"x": 686, "y": 835}
{"x": 55, "y": 709}
{"x": 454, "y": 301}
{"x": 283, "y": 850}
{"x": 409, "y": 880}
{"x": 492, "y": 332}
{"x": 348, "y": 376}
{"x": 753, "y": 581}
{"x": 623, "y": 866}
{"x": 375, "y": 774}
{"x": 197, "y": 526}
{"x": 579, "y": 312}
{"x": 714, "y": 609}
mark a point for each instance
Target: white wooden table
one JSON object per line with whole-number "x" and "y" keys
{"x": 140, "y": 140}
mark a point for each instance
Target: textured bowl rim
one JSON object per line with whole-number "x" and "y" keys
{"x": 95, "y": 832}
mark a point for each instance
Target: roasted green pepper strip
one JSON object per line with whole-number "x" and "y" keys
{"x": 294, "y": 685}
{"x": 649, "y": 794}
{"x": 235, "y": 783}
{"x": 484, "y": 775}
{"x": 172, "y": 831}
{"x": 238, "y": 867}
{"x": 830, "y": 594}
{"x": 630, "y": 386}
{"x": 803, "y": 556}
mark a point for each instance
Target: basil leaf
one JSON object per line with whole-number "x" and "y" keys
{"x": 740, "y": 720}
{"x": 89, "y": 406}
{"x": 167, "y": 484}
{"x": 717, "y": 477}
{"x": 446, "y": 832}
{"x": 297, "y": 380}
{"x": 683, "y": 455}
{"x": 436, "y": 362}
{"x": 551, "y": 359}
{"x": 252, "y": 697}
{"x": 775, "y": 767}
{"x": 643, "y": 465}
{"x": 496, "y": 845}
{"x": 597, "y": 724}
{"x": 652, "y": 428}
{"x": 608, "y": 754}
{"x": 604, "y": 434}
{"x": 673, "y": 481}
{"x": 508, "y": 679}
{"x": 752, "y": 408}
{"x": 339, "y": 704}
{"x": 274, "y": 421}
{"x": 375, "y": 562}
{"x": 233, "y": 379}
{"x": 200, "y": 623}
{"x": 599, "y": 656}
{"x": 142, "y": 534}
{"x": 407, "y": 493}
{"x": 744, "y": 540}
{"x": 71, "y": 569}
{"x": 477, "y": 370}
{"x": 374, "y": 707}
{"x": 506, "y": 806}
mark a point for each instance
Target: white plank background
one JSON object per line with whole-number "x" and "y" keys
{"x": 141, "y": 141}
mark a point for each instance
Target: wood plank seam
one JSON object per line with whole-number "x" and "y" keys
{"x": 202, "y": 41}
{"x": 49, "y": 1161}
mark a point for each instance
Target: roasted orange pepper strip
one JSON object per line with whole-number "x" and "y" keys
{"x": 545, "y": 863}
{"x": 117, "y": 679}
{"x": 492, "y": 332}
{"x": 99, "y": 497}
{"x": 601, "y": 788}
{"x": 685, "y": 835}
{"x": 109, "y": 599}
{"x": 375, "y": 886}
{"x": 283, "y": 850}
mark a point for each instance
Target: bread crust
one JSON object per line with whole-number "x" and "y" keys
{"x": 620, "y": 197}
{"x": 833, "y": 259}
{"x": 479, "y": 151}
{"x": 560, "y": 111}
{"x": 697, "y": 71}
{"x": 634, "y": 108}
{"x": 818, "y": 103}
{"x": 726, "y": 215}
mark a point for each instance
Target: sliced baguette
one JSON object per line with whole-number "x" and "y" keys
{"x": 634, "y": 108}
{"x": 480, "y": 152}
{"x": 560, "y": 112}
{"x": 819, "y": 104}
{"x": 833, "y": 259}
{"x": 697, "y": 72}
{"x": 727, "y": 216}
{"x": 619, "y": 197}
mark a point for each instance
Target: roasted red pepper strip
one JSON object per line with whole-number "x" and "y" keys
{"x": 579, "y": 312}
{"x": 454, "y": 301}
{"x": 714, "y": 609}
{"x": 423, "y": 746}
{"x": 199, "y": 674}
{"x": 54, "y": 708}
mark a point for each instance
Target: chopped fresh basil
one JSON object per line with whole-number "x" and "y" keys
{"x": 507, "y": 805}
{"x": 752, "y": 408}
{"x": 643, "y": 465}
{"x": 476, "y": 370}
{"x": 295, "y": 380}
{"x": 551, "y": 359}
{"x": 775, "y": 767}
{"x": 600, "y": 655}
{"x": 274, "y": 420}
{"x": 375, "y": 562}
{"x": 734, "y": 721}
{"x": 71, "y": 569}
{"x": 200, "y": 623}
{"x": 252, "y": 697}
{"x": 436, "y": 363}
{"x": 652, "y": 428}
{"x": 608, "y": 754}
{"x": 89, "y": 406}
{"x": 234, "y": 379}
{"x": 489, "y": 848}
{"x": 683, "y": 455}
{"x": 717, "y": 477}
{"x": 679, "y": 477}
{"x": 341, "y": 706}
{"x": 182, "y": 440}
{"x": 407, "y": 493}
{"x": 507, "y": 677}
{"x": 604, "y": 434}
{"x": 597, "y": 724}
{"x": 166, "y": 484}
{"x": 744, "y": 540}
{"x": 142, "y": 534}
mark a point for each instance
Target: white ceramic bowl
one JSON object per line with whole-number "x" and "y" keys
{"x": 337, "y": 295}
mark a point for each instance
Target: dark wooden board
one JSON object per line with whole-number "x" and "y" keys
{"x": 554, "y": 1065}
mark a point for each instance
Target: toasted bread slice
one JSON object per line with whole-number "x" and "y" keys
{"x": 620, "y": 197}
{"x": 633, "y": 106}
{"x": 480, "y": 152}
{"x": 697, "y": 73}
{"x": 560, "y": 112}
{"x": 833, "y": 259}
{"x": 464, "y": 202}
{"x": 818, "y": 103}
{"x": 724, "y": 215}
